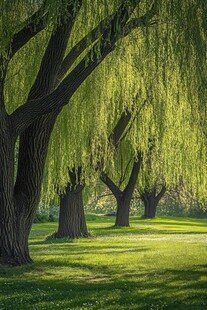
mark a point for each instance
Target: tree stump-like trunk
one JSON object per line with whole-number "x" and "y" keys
{"x": 72, "y": 222}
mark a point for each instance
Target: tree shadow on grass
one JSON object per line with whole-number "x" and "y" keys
{"x": 111, "y": 231}
{"x": 65, "y": 248}
{"x": 168, "y": 289}
{"x": 176, "y": 223}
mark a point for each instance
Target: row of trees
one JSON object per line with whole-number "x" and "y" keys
{"x": 54, "y": 54}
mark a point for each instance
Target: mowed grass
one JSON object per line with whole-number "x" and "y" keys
{"x": 154, "y": 264}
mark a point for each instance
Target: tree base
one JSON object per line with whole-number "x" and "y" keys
{"x": 144, "y": 217}
{"x": 121, "y": 225}
{"x": 68, "y": 236}
{"x": 15, "y": 261}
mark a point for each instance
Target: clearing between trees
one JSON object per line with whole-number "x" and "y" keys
{"x": 153, "y": 264}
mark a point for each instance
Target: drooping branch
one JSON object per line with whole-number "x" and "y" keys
{"x": 134, "y": 174}
{"x": 35, "y": 24}
{"x": 104, "y": 26}
{"x": 22, "y": 117}
{"x": 110, "y": 184}
{"x": 31, "y": 110}
{"x": 32, "y": 26}
{"x": 80, "y": 47}
{"x": 134, "y": 117}
{"x": 143, "y": 21}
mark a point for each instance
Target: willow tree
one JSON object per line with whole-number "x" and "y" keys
{"x": 151, "y": 198}
{"x": 72, "y": 222}
{"x": 42, "y": 30}
{"x": 153, "y": 188}
{"x": 155, "y": 60}
{"x": 123, "y": 196}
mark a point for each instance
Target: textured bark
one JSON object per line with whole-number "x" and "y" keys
{"x": 31, "y": 159}
{"x": 151, "y": 200}
{"x": 13, "y": 248}
{"x": 72, "y": 222}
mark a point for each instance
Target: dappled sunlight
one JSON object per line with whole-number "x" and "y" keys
{"x": 119, "y": 268}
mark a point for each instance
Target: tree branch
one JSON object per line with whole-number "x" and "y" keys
{"x": 136, "y": 114}
{"x": 31, "y": 110}
{"x": 80, "y": 47}
{"x": 123, "y": 176}
{"x": 32, "y": 26}
{"x": 134, "y": 174}
{"x": 161, "y": 193}
{"x": 110, "y": 184}
{"x": 53, "y": 56}
{"x": 105, "y": 26}
{"x": 145, "y": 20}
{"x": 120, "y": 128}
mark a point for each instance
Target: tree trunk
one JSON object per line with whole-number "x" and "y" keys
{"x": 151, "y": 200}
{"x": 150, "y": 206}
{"x": 33, "y": 147}
{"x": 123, "y": 208}
{"x": 72, "y": 223}
{"x": 13, "y": 223}
{"x": 124, "y": 197}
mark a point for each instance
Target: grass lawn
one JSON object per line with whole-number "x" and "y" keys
{"x": 154, "y": 264}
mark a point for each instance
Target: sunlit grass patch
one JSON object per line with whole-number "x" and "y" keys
{"x": 154, "y": 264}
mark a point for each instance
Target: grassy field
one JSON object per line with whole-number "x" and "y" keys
{"x": 154, "y": 264}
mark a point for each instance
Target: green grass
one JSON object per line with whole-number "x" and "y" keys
{"x": 154, "y": 264}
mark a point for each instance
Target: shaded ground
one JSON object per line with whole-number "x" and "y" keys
{"x": 154, "y": 264}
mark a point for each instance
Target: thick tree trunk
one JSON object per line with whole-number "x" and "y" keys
{"x": 151, "y": 200}
{"x": 33, "y": 147}
{"x": 13, "y": 223}
{"x": 17, "y": 252}
{"x": 72, "y": 222}
{"x": 123, "y": 208}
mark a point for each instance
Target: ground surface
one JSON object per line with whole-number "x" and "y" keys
{"x": 154, "y": 264}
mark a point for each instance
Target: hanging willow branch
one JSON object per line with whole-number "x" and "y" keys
{"x": 30, "y": 111}
{"x": 32, "y": 27}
